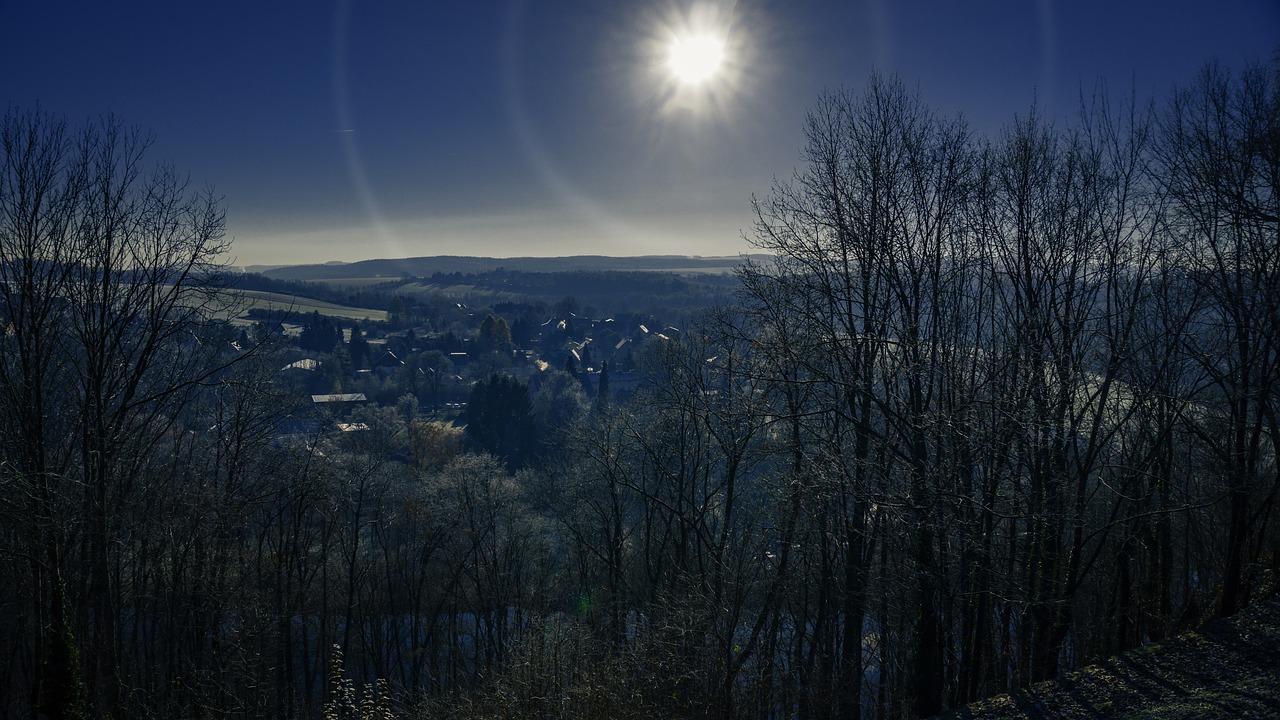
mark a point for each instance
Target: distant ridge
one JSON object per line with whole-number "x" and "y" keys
{"x": 427, "y": 266}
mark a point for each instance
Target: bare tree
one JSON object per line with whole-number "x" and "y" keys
{"x": 870, "y": 236}
{"x": 110, "y": 289}
{"x": 1222, "y": 164}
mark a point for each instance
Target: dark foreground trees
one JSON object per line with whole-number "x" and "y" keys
{"x": 1220, "y": 162}
{"x": 1044, "y": 367}
{"x": 107, "y": 294}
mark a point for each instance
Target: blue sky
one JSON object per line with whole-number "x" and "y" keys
{"x": 344, "y": 130}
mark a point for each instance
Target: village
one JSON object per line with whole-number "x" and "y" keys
{"x": 339, "y": 378}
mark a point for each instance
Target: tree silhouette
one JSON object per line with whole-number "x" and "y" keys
{"x": 109, "y": 283}
{"x": 500, "y": 419}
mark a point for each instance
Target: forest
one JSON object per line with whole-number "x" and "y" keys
{"x": 991, "y": 408}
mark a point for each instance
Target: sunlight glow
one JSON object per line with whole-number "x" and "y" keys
{"x": 697, "y": 63}
{"x": 696, "y": 59}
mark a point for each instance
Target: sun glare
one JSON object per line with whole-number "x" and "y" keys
{"x": 698, "y": 59}
{"x": 694, "y": 60}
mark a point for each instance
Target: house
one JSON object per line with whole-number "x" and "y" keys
{"x": 387, "y": 365}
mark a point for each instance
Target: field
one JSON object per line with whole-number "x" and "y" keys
{"x": 296, "y": 307}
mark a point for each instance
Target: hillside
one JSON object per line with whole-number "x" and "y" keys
{"x": 427, "y": 266}
{"x": 630, "y": 285}
{"x": 297, "y": 306}
{"x": 1227, "y": 669}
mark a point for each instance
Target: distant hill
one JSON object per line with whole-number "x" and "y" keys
{"x": 427, "y": 266}
{"x": 657, "y": 285}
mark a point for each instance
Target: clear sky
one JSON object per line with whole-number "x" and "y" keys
{"x": 347, "y": 129}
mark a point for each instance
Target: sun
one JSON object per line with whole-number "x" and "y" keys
{"x": 696, "y": 59}
{"x": 699, "y": 60}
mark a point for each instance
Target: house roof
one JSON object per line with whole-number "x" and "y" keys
{"x": 339, "y": 398}
{"x": 388, "y": 360}
{"x": 303, "y": 364}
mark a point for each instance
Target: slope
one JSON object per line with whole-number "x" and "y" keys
{"x": 1229, "y": 668}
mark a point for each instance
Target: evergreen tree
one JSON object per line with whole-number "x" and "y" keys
{"x": 358, "y": 348}
{"x": 602, "y": 390}
{"x": 495, "y": 336}
{"x": 320, "y": 334}
{"x": 500, "y": 419}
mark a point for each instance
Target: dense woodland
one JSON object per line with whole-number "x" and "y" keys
{"x": 997, "y": 406}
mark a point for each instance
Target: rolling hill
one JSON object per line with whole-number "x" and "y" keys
{"x": 427, "y": 266}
